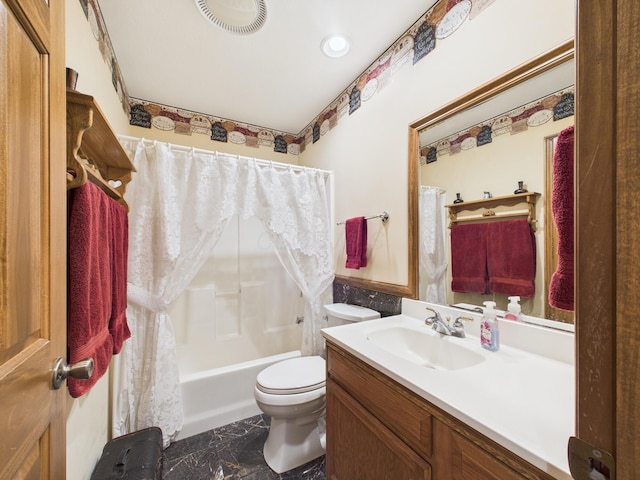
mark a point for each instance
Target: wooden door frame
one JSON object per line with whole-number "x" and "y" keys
{"x": 57, "y": 223}
{"x": 607, "y": 231}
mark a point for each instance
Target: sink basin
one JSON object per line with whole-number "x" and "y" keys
{"x": 426, "y": 347}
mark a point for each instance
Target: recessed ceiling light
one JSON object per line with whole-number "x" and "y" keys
{"x": 335, "y": 45}
{"x": 236, "y": 16}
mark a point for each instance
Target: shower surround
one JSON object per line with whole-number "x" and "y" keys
{"x": 238, "y": 315}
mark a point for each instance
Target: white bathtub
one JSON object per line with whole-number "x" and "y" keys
{"x": 223, "y": 395}
{"x": 237, "y": 316}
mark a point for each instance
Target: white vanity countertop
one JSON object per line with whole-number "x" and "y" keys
{"x": 522, "y": 398}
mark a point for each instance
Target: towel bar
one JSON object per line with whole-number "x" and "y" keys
{"x": 384, "y": 216}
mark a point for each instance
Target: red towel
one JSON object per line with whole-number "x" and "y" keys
{"x": 119, "y": 254}
{"x": 561, "y": 287}
{"x": 89, "y": 300}
{"x": 356, "y": 242}
{"x": 511, "y": 257}
{"x": 469, "y": 258}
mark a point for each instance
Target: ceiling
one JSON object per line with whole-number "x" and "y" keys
{"x": 277, "y": 78}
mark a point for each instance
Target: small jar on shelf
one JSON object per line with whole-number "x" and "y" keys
{"x": 520, "y": 188}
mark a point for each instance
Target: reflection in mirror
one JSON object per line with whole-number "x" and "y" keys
{"x": 485, "y": 149}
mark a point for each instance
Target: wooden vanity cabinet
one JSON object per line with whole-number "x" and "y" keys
{"x": 362, "y": 447}
{"x": 469, "y": 461}
{"x": 378, "y": 429}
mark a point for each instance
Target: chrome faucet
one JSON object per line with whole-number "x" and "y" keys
{"x": 440, "y": 326}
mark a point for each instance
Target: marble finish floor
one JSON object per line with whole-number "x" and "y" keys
{"x": 237, "y": 448}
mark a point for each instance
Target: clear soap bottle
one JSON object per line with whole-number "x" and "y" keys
{"x": 514, "y": 311}
{"x": 489, "y": 332}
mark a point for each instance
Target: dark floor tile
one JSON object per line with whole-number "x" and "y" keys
{"x": 237, "y": 448}
{"x": 314, "y": 470}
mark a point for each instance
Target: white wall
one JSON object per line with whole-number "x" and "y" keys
{"x": 368, "y": 149}
{"x": 94, "y": 76}
{"x": 88, "y": 426}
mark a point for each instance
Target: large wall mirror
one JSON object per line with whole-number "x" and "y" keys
{"x": 491, "y": 142}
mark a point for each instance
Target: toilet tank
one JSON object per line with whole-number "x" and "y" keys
{"x": 343, "y": 314}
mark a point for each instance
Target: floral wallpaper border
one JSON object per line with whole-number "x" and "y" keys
{"x": 442, "y": 20}
{"x": 96, "y": 23}
{"x": 184, "y": 122}
{"x": 555, "y": 106}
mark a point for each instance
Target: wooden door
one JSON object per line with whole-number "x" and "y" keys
{"x": 32, "y": 240}
{"x": 608, "y": 231}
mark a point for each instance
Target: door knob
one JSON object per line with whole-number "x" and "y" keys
{"x": 61, "y": 371}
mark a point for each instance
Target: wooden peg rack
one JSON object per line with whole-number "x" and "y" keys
{"x": 93, "y": 150}
{"x": 495, "y": 208}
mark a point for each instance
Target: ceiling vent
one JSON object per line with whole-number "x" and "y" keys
{"x": 241, "y": 17}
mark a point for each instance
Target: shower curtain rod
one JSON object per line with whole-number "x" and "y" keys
{"x": 266, "y": 163}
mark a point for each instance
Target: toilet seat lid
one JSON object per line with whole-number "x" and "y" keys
{"x": 296, "y": 375}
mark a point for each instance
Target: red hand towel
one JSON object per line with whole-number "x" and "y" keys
{"x": 120, "y": 246}
{"x": 561, "y": 287}
{"x": 356, "y": 242}
{"x": 469, "y": 258}
{"x": 511, "y": 258}
{"x": 90, "y": 278}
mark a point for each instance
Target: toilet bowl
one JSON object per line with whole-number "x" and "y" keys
{"x": 292, "y": 393}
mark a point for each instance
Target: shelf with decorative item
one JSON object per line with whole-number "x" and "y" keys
{"x": 495, "y": 208}
{"x": 93, "y": 150}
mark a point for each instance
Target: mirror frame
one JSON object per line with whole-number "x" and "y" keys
{"x": 511, "y": 78}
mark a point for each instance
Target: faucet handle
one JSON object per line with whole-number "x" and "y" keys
{"x": 431, "y": 320}
{"x": 458, "y": 321}
{"x": 435, "y": 312}
{"x": 458, "y": 325}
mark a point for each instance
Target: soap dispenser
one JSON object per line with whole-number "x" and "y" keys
{"x": 514, "y": 312}
{"x": 489, "y": 333}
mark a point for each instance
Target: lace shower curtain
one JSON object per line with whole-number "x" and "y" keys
{"x": 433, "y": 261}
{"x": 181, "y": 201}
{"x": 294, "y": 207}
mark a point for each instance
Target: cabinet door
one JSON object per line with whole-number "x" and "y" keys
{"x": 360, "y": 447}
{"x": 409, "y": 420}
{"x": 470, "y": 462}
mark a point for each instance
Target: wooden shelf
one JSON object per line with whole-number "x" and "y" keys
{"x": 93, "y": 150}
{"x": 495, "y": 208}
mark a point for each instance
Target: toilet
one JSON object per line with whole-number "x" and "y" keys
{"x": 292, "y": 393}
